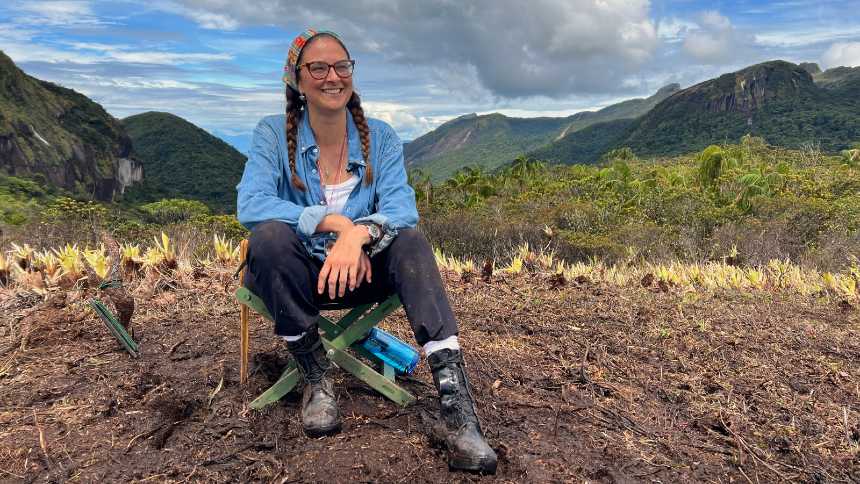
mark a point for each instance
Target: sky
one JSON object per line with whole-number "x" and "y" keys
{"x": 419, "y": 63}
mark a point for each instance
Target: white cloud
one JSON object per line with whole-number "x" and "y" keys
{"x": 716, "y": 41}
{"x": 554, "y": 48}
{"x": 55, "y": 13}
{"x": 806, "y": 36}
{"x": 842, "y": 54}
{"x": 673, "y": 29}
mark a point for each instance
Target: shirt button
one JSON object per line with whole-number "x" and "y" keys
{"x": 315, "y": 150}
{"x": 322, "y": 202}
{"x": 314, "y": 171}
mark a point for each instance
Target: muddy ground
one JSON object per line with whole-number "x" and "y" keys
{"x": 578, "y": 382}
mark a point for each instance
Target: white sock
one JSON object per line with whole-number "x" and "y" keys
{"x": 449, "y": 343}
{"x": 293, "y": 339}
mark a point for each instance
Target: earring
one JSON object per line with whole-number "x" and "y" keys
{"x": 302, "y": 97}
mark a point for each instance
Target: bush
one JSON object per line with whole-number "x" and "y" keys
{"x": 174, "y": 210}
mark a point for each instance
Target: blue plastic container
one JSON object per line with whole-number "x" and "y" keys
{"x": 388, "y": 348}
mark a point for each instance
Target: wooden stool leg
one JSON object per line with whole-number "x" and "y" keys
{"x": 244, "y": 316}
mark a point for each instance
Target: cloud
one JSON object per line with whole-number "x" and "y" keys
{"x": 673, "y": 29}
{"x": 55, "y": 13}
{"x": 793, "y": 38}
{"x": 716, "y": 41}
{"x": 548, "y": 47}
{"x": 842, "y": 54}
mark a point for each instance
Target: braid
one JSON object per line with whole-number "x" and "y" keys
{"x": 354, "y": 106}
{"x": 294, "y": 112}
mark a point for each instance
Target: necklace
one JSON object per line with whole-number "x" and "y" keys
{"x": 340, "y": 169}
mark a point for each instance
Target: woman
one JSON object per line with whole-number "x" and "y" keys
{"x": 332, "y": 218}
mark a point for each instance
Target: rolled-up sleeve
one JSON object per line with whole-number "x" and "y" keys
{"x": 395, "y": 199}
{"x": 258, "y": 199}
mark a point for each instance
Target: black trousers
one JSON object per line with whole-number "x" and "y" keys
{"x": 282, "y": 273}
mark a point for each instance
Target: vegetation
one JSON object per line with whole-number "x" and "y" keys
{"x": 492, "y": 140}
{"x": 59, "y": 135}
{"x": 747, "y": 203}
{"x": 774, "y": 100}
{"x": 181, "y": 160}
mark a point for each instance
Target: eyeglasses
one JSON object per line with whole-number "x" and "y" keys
{"x": 319, "y": 70}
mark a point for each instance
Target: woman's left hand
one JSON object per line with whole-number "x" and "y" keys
{"x": 341, "y": 266}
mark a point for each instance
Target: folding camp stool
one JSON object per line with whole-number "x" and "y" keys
{"x": 337, "y": 337}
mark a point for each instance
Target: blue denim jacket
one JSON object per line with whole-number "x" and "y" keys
{"x": 266, "y": 192}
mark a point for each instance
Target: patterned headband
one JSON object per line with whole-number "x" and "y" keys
{"x": 290, "y": 72}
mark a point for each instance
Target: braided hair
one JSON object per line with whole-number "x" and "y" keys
{"x": 297, "y": 107}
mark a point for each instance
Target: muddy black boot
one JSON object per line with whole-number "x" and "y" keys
{"x": 459, "y": 427}
{"x": 320, "y": 415}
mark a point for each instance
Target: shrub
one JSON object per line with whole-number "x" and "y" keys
{"x": 174, "y": 210}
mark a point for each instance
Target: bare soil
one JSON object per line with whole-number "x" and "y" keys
{"x": 574, "y": 382}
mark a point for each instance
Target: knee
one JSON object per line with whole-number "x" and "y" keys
{"x": 411, "y": 247}
{"x": 271, "y": 238}
{"x": 410, "y": 240}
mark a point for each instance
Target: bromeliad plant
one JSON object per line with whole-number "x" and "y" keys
{"x": 23, "y": 255}
{"x": 4, "y": 270}
{"x": 71, "y": 264}
{"x": 225, "y": 251}
{"x": 98, "y": 261}
{"x": 131, "y": 261}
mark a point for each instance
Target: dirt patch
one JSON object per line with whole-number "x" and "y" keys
{"x": 573, "y": 381}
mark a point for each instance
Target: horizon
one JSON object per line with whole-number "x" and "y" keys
{"x": 218, "y": 64}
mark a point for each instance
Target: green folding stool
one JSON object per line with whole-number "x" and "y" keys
{"x": 340, "y": 338}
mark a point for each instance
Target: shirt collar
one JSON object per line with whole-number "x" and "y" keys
{"x": 307, "y": 140}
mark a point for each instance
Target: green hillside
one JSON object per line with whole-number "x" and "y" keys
{"x": 61, "y": 137}
{"x": 777, "y": 101}
{"x": 181, "y": 160}
{"x": 492, "y": 140}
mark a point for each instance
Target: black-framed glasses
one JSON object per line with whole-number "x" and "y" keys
{"x": 319, "y": 69}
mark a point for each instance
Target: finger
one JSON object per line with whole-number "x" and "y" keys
{"x": 353, "y": 270}
{"x": 322, "y": 278}
{"x": 369, "y": 269}
{"x": 360, "y": 273}
{"x": 332, "y": 282}
{"x": 342, "y": 280}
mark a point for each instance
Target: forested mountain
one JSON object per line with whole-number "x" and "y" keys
{"x": 181, "y": 160}
{"x": 494, "y": 139}
{"x": 60, "y": 137}
{"x": 779, "y": 101}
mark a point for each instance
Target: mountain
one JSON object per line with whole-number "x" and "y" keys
{"x": 57, "y": 136}
{"x": 494, "y": 139}
{"x": 777, "y": 100}
{"x": 181, "y": 160}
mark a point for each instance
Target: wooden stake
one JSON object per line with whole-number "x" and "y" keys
{"x": 244, "y": 315}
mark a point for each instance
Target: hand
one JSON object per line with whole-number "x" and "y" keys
{"x": 364, "y": 271}
{"x": 343, "y": 265}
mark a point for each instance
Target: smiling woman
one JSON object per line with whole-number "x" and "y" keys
{"x": 332, "y": 219}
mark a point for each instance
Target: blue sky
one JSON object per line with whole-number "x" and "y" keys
{"x": 218, "y": 63}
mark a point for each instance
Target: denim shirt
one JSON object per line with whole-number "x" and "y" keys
{"x": 267, "y": 193}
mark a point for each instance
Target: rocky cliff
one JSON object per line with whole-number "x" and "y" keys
{"x": 55, "y": 134}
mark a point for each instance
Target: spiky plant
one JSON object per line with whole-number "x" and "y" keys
{"x": 4, "y": 270}
{"x": 152, "y": 259}
{"x": 71, "y": 264}
{"x": 99, "y": 261}
{"x": 167, "y": 251}
{"x": 23, "y": 255}
{"x": 131, "y": 261}
{"x": 48, "y": 263}
{"x": 225, "y": 251}
{"x": 756, "y": 278}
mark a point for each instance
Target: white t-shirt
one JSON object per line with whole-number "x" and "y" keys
{"x": 336, "y": 195}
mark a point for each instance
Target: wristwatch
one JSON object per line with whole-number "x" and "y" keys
{"x": 374, "y": 231}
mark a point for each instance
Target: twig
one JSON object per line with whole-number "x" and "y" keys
{"x": 42, "y": 442}
{"x": 173, "y": 348}
{"x": 751, "y": 450}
